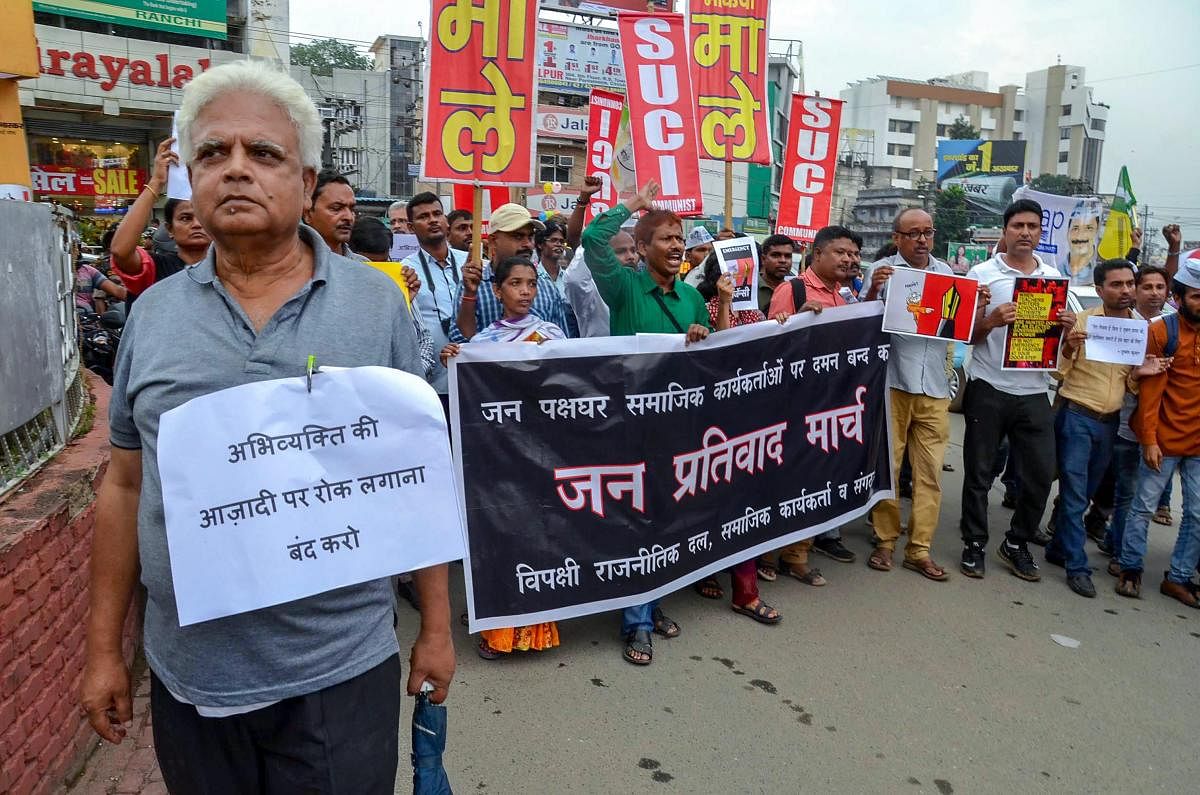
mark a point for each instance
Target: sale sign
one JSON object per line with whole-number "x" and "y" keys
{"x": 661, "y": 110}
{"x": 63, "y": 181}
{"x": 808, "y": 167}
{"x": 729, "y": 75}
{"x": 604, "y": 118}
{"x": 479, "y": 118}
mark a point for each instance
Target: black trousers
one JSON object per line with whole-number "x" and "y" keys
{"x": 1028, "y": 422}
{"x": 342, "y": 739}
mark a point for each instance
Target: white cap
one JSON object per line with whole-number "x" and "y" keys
{"x": 699, "y": 236}
{"x": 1189, "y": 270}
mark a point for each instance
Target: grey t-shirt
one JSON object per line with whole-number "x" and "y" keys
{"x": 190, "y": 338}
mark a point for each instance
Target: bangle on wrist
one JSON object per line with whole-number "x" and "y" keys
{"x": 150, "y": 188}
{"x": 470, "y": 298}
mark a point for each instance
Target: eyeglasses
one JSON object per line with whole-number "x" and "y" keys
{"x": 917, "y": 234}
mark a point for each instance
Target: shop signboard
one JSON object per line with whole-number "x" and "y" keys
{"x": 99, "y": 182}
{"x": 204, "y": 18}
{"x": 574, "y": 59}
{"x": 555, "y": 122}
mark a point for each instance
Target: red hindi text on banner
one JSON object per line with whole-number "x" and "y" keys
{"x": 661, "y": 109}
{"x": 604, "y": 118}
{"x": 808, "y": 167}
{"x": 729, "y": 76}
{"x": 482, "y": 100}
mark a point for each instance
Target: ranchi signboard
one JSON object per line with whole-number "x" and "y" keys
{"x": 205, "y": 18}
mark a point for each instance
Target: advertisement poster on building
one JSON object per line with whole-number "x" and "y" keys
{"x": 729, "y": 76}
{"x": 204, "y": 18}
{"x": 479, "y": 121}
{"x": 807, "y": 190}
{"x": 575, "y": 59}
{"x": 739, "y": 261}
{"x": 989, "y": 172}
{"x": 1032, "y": 341}
{"x": 662, "y": 114}
{"x": 1070, "y": 232}
{"x": 961, "y": 257}
{"x": 924, "y": 304}
{"x": 606, "y": 8}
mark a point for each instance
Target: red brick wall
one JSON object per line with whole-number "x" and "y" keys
{"x": 45, "y": 543}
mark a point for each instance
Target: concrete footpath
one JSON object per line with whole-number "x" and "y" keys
{"x": 877, "y": 682}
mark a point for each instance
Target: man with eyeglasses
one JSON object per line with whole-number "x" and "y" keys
{"x": 920, "y": 396}
{"x": 1011, "y": 403}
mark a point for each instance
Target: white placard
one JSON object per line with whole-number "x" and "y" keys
{"x": 178, "y": 184}
{"x": 1116, "y": 340}
{"x": 738, "y": 257}
{"x": 272, "y": 493}
{"x": 403, "y": 245}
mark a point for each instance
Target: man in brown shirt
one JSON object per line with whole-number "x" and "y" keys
{"x": 1167, "y": 424}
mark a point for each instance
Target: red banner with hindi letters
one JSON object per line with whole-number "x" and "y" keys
{"x": 604, "y": 117}
{"x": 661, "y": 109}
{"x": 729, "y": 76}
{"x": 808, "y": 167}
{"x": 482, "y": 100}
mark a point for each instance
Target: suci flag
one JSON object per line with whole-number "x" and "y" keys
{"x": 1122, "y": 218}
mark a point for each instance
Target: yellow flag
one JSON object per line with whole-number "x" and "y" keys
{"x": 1122, "y": 217}
{"x": 393, "y": 269}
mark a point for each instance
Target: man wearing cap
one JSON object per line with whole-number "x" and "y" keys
{"x": 1167, "y": 424}
{"x": 510, "y": 234}
{"x": 696, "y": 248}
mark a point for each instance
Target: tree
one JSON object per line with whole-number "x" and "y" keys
{"x": 1061, "y": 185}
{"x": 323, "y": 56}
{"x": 962, "y": 130}
{"x": 951, "y": 218}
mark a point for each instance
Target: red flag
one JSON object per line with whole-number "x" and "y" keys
{"x": 479, "y": 111}
{"x": 464, "y": 199}
{"x": 604, "y": 117}
{"x": 661, "y": 111}
{"x": 729, "y": 75}
{"x": 808, "y": 167}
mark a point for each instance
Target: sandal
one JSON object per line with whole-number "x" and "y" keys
{"x": 709, "y": 588}
{"x": 1163, "y": 516}
{"x": 808, "y": 577}
{"x": 638, "y": 643}
{"x": 766, "y": 573}
{"x": 487, "y": 652}
{"x": 927, "y": 569}
{"x": 1130, "y": 584}
{"x": 881, "y": 559}
{"x": 760, "y": 612}
{"x": 663, "y": 625}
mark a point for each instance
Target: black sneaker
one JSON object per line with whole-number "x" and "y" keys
{"x": 1009, "y": 501}
{"x": 1041, "y": 538}
{"x": 1082, "y": 585}
{"x": 1019, "y": 561}
{"x": 974, "y": 561}
{"x": 834, "y": 548}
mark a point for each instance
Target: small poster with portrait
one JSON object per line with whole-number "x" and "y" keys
{"x": 739, "y": 261}
{"x": 1033, "y": 339}
{"x": 924, "y": 304}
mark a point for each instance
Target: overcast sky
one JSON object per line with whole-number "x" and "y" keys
{"x": 1134, "y": 54}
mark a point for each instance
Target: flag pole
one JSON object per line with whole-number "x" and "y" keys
{"x": 477, "y": 224}
{"x": 728, "y": 194}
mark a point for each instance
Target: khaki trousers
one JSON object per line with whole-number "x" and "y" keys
{"x": 920, "y": 425}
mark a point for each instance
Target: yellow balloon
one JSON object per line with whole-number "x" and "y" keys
{"x": 547, "y": 188}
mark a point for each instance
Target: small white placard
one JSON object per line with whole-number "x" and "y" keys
{"x": 1116, "y": 340}
{"x": 273, "y": 493}
{"x": 178, "y": 184}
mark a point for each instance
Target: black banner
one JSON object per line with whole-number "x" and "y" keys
{"x": 603, "y": 473}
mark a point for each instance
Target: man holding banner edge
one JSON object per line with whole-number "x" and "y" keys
{"x": 638, "y": 301}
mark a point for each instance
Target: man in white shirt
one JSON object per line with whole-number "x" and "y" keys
{"x": 1011, "y": 403}
{"x": 440, "y": 268}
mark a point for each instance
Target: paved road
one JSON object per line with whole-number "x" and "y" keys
{"x": 874, "y": 683}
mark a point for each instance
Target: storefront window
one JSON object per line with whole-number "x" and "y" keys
{"x": 97, "y": 179}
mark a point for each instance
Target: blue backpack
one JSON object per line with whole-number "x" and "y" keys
{"x": 1171, "y": 321}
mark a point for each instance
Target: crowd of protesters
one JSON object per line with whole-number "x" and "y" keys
{"x": 274, "y": 257}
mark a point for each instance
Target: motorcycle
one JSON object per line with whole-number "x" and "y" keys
{"x": 99, "y": 336}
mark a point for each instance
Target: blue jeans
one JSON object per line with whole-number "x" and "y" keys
{"x": 1084, "y": 447}
{"x": 638, "y": 617}
{"x": 1150, "y": 486}
{"x": 1126, "y": 456}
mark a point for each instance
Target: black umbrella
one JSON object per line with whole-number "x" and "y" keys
{"x": 428, "y": 745}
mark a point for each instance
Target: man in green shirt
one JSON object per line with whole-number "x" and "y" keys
{"x": 649, "y": 300}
